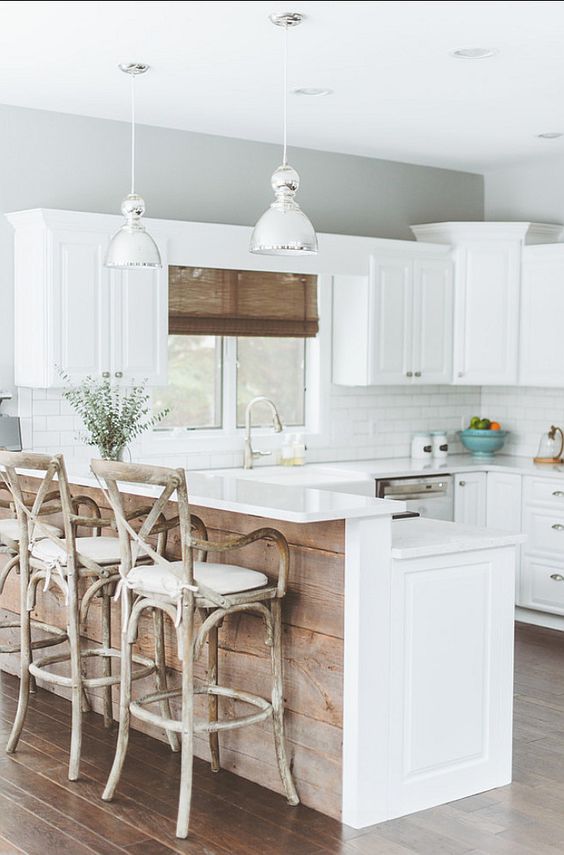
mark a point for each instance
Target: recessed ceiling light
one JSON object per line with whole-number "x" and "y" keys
{"x": 313, "y": 91}
{"x": 550, "y": 135}
{"x": 473, "y": 53}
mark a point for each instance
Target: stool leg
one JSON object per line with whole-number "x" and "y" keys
{"x": 160, "y": 675}
{"x": 187, "y": 756}
{"x": 32, "y": 683}
{"x": 278, "y": 703}
{"x": 213, "y": 700}
{"x": 124, "y": 700}
{"x": 107, "y": 660}
{"x": 76, "y": 676}
{"x": 25, "y": 659}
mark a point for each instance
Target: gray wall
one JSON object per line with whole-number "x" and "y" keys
{"x": 54, "y": 160}
{"x": 532, "y": 191}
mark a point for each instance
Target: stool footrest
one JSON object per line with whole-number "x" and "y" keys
{"x": 38, "y": 667}
{"x": 201, "y": 726}
{"x": 57, "y": 636}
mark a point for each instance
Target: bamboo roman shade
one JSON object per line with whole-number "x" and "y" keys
{"x": 209, "y": 301}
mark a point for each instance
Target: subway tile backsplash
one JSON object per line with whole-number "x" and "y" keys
{"x": 362, "y": 423}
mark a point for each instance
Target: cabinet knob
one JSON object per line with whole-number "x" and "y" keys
{"x": 558, "y": 493}
{"x": 409, "y": 373}
{"x": 461, "y": 373}
{"x": 418, "y": 374}
{"x": 118, "y": 374}
{"x": 557, "y": 577}
{"x": 558, "y": 527}
{"x": 105, "y": 374}
{"x": 462, "y": 483}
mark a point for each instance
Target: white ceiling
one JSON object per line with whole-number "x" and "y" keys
{"x": 216, "y": 68}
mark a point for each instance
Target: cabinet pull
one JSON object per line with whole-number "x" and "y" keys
{"x": 462, "y": 483}
{"x": 558, "y": 493}
{"x": 418, "y": 374}
{"x": 558, "y": 527}
{"x": 409, "y": 373}
{"x": 119, "y": 374}
{"x": 105, "y": 374}
{"x": 557, "y": 577}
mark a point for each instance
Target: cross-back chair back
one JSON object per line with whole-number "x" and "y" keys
{"x": 172, "y": 484}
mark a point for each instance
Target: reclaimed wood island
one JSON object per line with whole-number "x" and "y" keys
{"x": 398, "y": 646}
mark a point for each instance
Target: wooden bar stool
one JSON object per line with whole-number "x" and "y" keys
{"x": 65, "y": 562}
{"x": 179, "y": 588}
{"x": 9, "y": 545}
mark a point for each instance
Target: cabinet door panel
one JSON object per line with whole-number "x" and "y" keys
{"x": 504, "y": 501}
{"x": 487, "y": 313}
{"x": 391, "y": 313}
{"x": 542, "y": 585}
{"x": 80, "y": 305}
{"x": 432, "y": 321}
{"x": 140, "y": 301}
{"x": 352, "y": 361}
{"x": 470, "y": 498}
{"x": 545, "y": 531}
{"x": 542, "y": 308}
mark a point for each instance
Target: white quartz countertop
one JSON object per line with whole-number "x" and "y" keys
{"x": 355, "y": 472}
{"x": 288, "y": 501}
{"x": 419, "y": 538}
{"x": 404, "y": 466}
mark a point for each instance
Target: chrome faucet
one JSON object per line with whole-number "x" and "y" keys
{"x": 250, "y": 455}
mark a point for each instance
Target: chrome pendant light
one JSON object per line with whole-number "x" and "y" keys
{"x": 284, "y": 229}
{"x": 132, "y": 246}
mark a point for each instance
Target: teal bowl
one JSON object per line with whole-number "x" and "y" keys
{"x": 482, "y": 443}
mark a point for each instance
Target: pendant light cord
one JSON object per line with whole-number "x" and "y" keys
{"x": 285, "y": 111}
{"x": 132, "y": 134}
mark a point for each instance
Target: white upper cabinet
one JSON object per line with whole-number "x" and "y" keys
{"x": 432, "y": 320}
{"x": 140, "y": 324}
{"x": 74, "y": 315}
{"x": 487, "y": 260}
{"x": 542, "y": 309}
{"x": 390, "y": 340}
{"x": 394, "y": 326}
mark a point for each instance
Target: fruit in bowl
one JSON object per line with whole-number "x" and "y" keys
{"x": 483, "y": 437}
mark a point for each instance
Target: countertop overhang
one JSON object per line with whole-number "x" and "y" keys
{"x": 287, "y": 502}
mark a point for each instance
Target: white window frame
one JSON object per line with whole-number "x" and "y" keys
{"x": 229, "y": 437}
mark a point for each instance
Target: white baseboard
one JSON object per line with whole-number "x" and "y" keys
{"x": 539, "y": 618}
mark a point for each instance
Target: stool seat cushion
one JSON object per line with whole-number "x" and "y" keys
{"x": 102, "y": 550}
{"x": 222, "y": 578}
{"x": 10, "y": 529}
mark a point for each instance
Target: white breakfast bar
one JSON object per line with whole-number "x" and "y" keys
{"x": 398, "y": 648}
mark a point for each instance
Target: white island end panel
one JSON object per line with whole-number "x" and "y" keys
{"x": 431, "y": 720}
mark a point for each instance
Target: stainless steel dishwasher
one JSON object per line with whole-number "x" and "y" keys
{"x": 430, "y": 496}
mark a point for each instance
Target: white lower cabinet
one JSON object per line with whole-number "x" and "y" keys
{"x": 542, "y": 584}
{"x": 542, "y": 571}
{"x": 470, "y": 498}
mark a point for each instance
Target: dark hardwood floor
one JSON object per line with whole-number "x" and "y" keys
{"x": 42, "y": 813}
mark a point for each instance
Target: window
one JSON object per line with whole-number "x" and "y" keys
{"x": 234, "y": 335}
{"x": 194, "y": 392}
{"x": 211, "y": 377}
{"x": 274, "y": 367}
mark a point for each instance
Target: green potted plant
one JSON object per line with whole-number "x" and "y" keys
{"x": 113, "y": 416}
